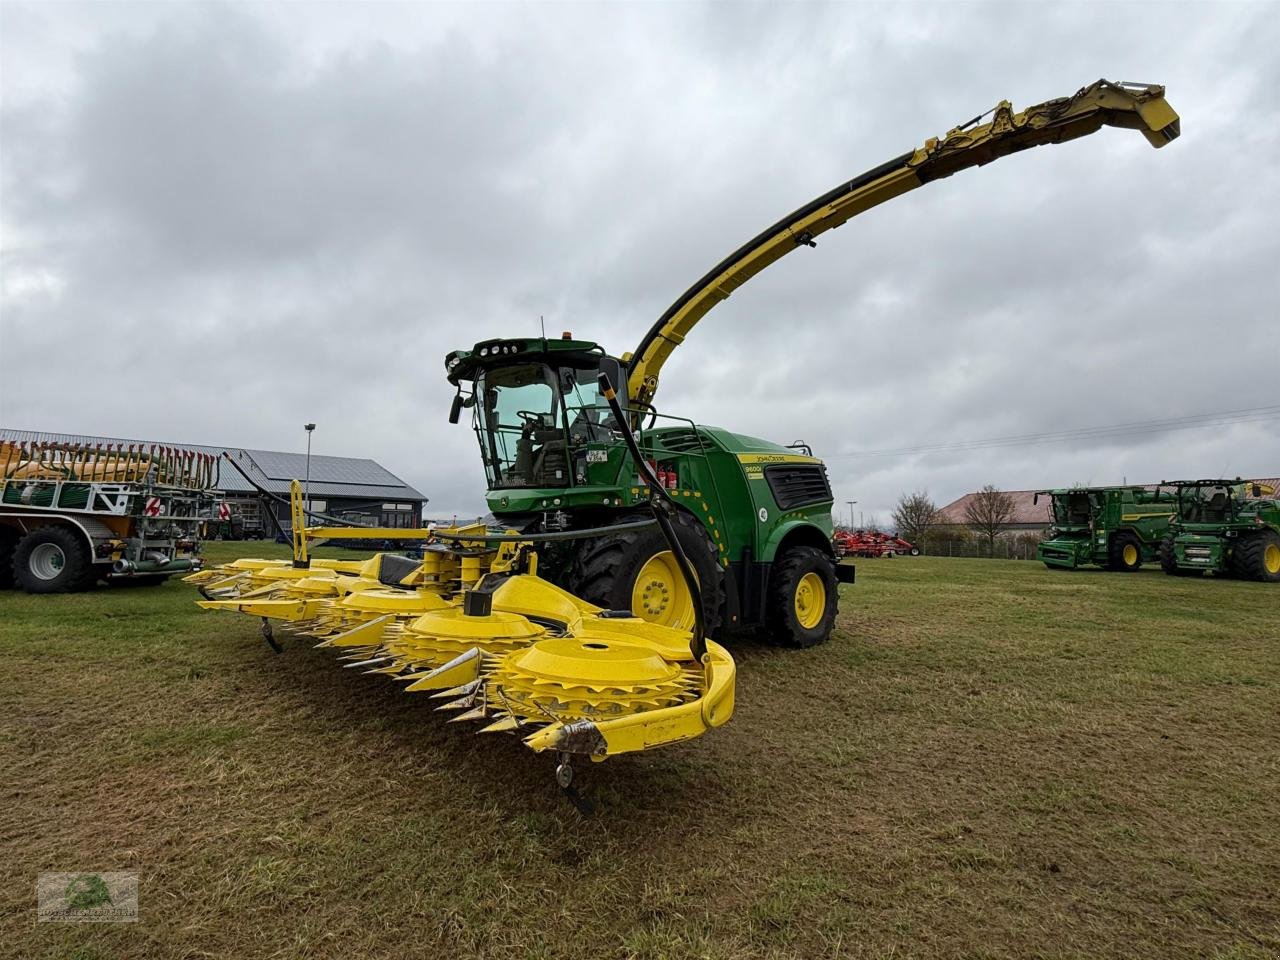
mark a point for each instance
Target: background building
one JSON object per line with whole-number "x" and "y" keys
{"x": 352, "y": 488}
{"x": 1026, "y": 514}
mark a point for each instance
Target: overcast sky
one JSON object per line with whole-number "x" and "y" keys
{"x": 222, "y": 221}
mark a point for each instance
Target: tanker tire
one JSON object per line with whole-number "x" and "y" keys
{"x": 784, "y": 627}
{"x": 1169, "y": 560}
{"x": 8, "y": 542}
{"x": 1115, "y": 552}
{"x": 77, "y": 572}
{"x": 1249, "y": 559}
{"x": 604, "y": 570}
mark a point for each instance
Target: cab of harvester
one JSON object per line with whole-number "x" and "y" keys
{"x": 1226, "y": 526}
{"x": 540, "y": 421}
{"x": 555, "y": 462}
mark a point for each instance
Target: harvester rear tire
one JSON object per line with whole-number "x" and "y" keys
{"x": 605, "y": 570}
{"x": 8, "y": 541}
{"x": 1256, "y": 555}
{"x": 1118, "y": 558}
{"x": 1169, "y": 560}
{"x": 70, "y": 555}
{"x": 786, "y": 579}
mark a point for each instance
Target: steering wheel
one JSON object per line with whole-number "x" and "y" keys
{"x": 529, "y": 417}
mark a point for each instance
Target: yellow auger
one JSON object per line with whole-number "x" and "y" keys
{"x": 474, "y": 625}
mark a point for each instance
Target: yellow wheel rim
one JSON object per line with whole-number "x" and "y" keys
{"x": 1130, "y": 554}
{"x": 1271, "y": 558}
{"x": 811, "y": 600}
{"x": 660, "y": 595}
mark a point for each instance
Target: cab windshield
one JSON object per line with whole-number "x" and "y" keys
{"x": 1072, "y": 509}
{"x": 534, "y": 422}
{"x": 1212, "y": 504}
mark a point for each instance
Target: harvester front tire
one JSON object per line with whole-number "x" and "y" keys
{"x": 1258, "y": 557}
{"x": 1125, "y": 553}
{"x": 8, "y": 542}
{"x": 606, "y": 570}
{"x": 802, "y": 598}
{"x": 53, "y": 559}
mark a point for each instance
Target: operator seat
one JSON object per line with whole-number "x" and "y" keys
{"x": 1215, "y": 510}
{"x": 551, "y": 463}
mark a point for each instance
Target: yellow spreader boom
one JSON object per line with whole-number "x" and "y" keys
{"x": 1136, "y": 106}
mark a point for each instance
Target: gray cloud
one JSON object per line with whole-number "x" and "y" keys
{"x": 219, "y": 222}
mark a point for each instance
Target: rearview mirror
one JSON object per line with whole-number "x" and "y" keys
{"x": 612, "y": 369}
{"x": 455, "y": 411}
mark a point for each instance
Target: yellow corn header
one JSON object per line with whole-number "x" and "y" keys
{"x": 472, "y": 624}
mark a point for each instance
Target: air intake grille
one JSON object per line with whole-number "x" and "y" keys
{"x": 798, "y": 484}
{"x": 683, "y": 441}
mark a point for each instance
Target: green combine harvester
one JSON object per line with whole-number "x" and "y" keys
{"x": 1229, "y": 527}
{"x": 1119, "y": 528}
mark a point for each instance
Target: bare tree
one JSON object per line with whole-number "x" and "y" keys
{"x": 914, "y": 515}
{"x": 987, "y": 512}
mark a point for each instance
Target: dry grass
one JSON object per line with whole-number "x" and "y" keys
{"x": 989, "y": 760}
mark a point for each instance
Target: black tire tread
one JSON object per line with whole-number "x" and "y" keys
{"x": 1115, "y": 551}
{"x": 8, "y": 542}
{"x": 77, "y": 552}
{"x": 1247, "y": 558}
{"x": 783, "y": 630}
{"x": 598, "y": 564}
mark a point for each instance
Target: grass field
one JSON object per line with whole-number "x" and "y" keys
{"x": 989, "y": 760}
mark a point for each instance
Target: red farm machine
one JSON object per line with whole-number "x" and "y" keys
{"x": 871, "y": 544}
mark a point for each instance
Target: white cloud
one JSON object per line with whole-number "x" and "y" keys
{"x": 248, "y": 217}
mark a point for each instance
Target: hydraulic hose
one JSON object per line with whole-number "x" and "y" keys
{"x": 660, "y": 502}
{"x": 586, "y": 533}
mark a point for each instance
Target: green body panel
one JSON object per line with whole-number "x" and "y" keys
{"x": 1213, "y": 516}
{"x": 1086, "y": 521}
{"x": 729, "y": 496}
{"x": 553, "y": 463}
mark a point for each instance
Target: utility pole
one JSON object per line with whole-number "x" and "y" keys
{"x": 306, "y": 483}
{"x": 851, "y": 503}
